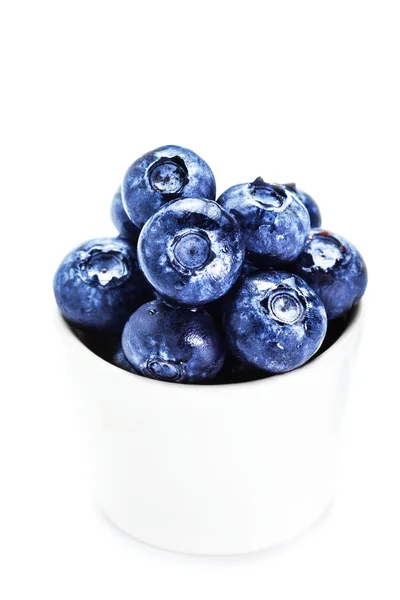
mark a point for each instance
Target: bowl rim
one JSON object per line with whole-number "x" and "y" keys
{"x": 355, "y": 321}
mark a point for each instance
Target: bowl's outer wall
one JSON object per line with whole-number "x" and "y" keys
{"x": 213, "y": 469}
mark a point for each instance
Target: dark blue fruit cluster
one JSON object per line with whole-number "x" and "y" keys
{"x": 195, "y": 290}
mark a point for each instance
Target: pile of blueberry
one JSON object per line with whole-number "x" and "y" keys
{"x": 196, "y": 290}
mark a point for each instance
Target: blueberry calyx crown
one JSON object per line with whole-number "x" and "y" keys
{"x": 104, "y": 267}
{"x": 168, "y": 176}
{"x": 269, "y": 196}
{"x": 324, "y": 251}
{"x": 190, "y": 251}
{"x": 284, "y": 305}
{"x": 165, "y": 370}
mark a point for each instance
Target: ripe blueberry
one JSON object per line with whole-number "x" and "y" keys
{"x": 274, "y": 321}
{"x": 173, "y": 344}
{"x": 334, "y": 269}
{"x": 167, "y": 173}
{"x": 191, "y": 251}
{"x": 274, "y": 222}
{"x": 99, "y": 284}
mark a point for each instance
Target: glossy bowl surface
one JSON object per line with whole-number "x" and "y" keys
{"x": 213, "y": 469}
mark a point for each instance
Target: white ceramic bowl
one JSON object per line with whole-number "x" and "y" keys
{"x": 214, "y": 469}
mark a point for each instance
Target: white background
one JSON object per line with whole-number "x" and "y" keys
{"x": 305, "y": 91}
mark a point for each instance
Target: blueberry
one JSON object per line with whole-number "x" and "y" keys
{"x": 165, "y": 174}
{"x": 99, "y": 284}
{"x": 173, "y": 344}
{"x": 334, "y": 269}
{"x": 191, "y": 251}
{"x": 122, "y": 222}
{"x": 275, "y": 321}
{"x": 275, "y": 224}
{"x": 309, "y": 202}
{"x": 118, "y": 359}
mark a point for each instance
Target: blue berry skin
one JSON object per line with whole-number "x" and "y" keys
{"x": 99, "y": 284}
{"x": 335, "y": 269}
{"x": 118, "y": 358}
{"x": 274, "y": 222}
{"x": 309, "y": 202}
{"x": 191, "y": 251}
{"x": 123, "y": 224}
{"x": 275, "y": 322}
{"x": 173, "y": 344}
{"x": 167, "y": 173}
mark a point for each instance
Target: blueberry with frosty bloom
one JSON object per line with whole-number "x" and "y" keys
{"x": 191, "y": 251}
{"x": 99, "y": 284}
{"x": 335, "y": 269}
{"x": 164, "y": 174}
{"x": 274, "y": 321}
{"x": 173, "y": 344}
{"x": 274, "y": 222}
